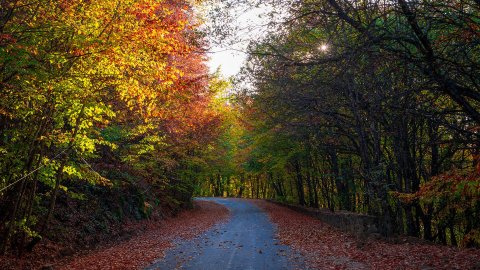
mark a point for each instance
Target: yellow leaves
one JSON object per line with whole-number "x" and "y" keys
{"x": 144, "y": 39}
{"x": 93, "y": 177}
{"x": 132, "y": 53}
{"x": 71, "y": 171}
{"x": 406, "y": 198}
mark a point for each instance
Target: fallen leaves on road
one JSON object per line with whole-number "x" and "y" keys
{"x": 142, "y": 250}
{"x": 327, "y": 248}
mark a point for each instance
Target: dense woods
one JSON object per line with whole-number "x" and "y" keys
{"x": 109, "y": 113}
{"x": 367, "y": 106}
{"x": 103, "y": 106}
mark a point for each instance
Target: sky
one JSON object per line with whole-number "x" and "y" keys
{"x": 231, "y": 58}
{"x": 229, "y": 61}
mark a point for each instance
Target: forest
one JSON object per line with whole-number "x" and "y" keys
{"x": 108, "y": 112}
{"x": 365, "y": 106}
{"x": 103, "y": 104}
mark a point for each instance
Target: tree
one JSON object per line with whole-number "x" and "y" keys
{"x": 87, "y": 82}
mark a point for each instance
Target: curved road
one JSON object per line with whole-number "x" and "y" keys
{"x": 246, "y": 241}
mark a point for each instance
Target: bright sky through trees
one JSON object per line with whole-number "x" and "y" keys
{"x": 230, "y": 58}
{"x": 116, "y": 111}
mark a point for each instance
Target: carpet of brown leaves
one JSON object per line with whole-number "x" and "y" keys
{"x": 327, "y": 248}
{"x": 148, "y": 244}
{"x": 140, "y": 251}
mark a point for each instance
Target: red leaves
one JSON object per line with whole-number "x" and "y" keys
{"x": 142, "y": 250}
{"x": 6, "y": 39}
{"x": 451, "y": 194}
{"x": 327, "y": 248}
{"x": 136, "y": 253}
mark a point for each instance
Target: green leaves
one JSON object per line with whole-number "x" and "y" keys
{"x": 119, "y": 84}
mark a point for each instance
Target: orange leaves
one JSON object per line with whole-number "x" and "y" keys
{"x": 140, "y": 57}
{"x": 6, "y": 39}
{"x": 454, "y": 193}
{"x": 151, "y": 43}
{"x": 406, "y": 198}
{"x": 327, "y": 248}
{"x": 142, "y": 250}
{"x": 158, "y": 74}
{"x": 452, "y": 185}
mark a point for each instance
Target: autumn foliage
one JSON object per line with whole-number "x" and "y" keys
{"x": 98, "y": 95}
{"x": 454, "y": 198}
{"x": 351, "y": 105}
{"x": 325, "y": 247}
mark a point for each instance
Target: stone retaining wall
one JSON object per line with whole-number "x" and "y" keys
{"x": 353, "y": 223}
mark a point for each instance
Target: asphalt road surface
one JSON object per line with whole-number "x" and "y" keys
{"x": 246, "y": 242}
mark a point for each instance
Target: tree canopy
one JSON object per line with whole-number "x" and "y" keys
{"x": 367, "y": 106}
{"x": 108, "y": 93}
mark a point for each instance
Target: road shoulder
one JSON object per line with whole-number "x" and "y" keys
{"x": 143, "y": 249}
{"x": 325, "y": 247}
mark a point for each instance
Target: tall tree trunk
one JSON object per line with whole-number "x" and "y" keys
{"x": 299, "y": 182}
{"x": 59, "y": 173}
{"x": 311, "y": 201}
{"x": 242, "y": 186}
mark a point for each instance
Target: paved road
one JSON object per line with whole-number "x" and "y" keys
{"x": 247, "y": 241}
